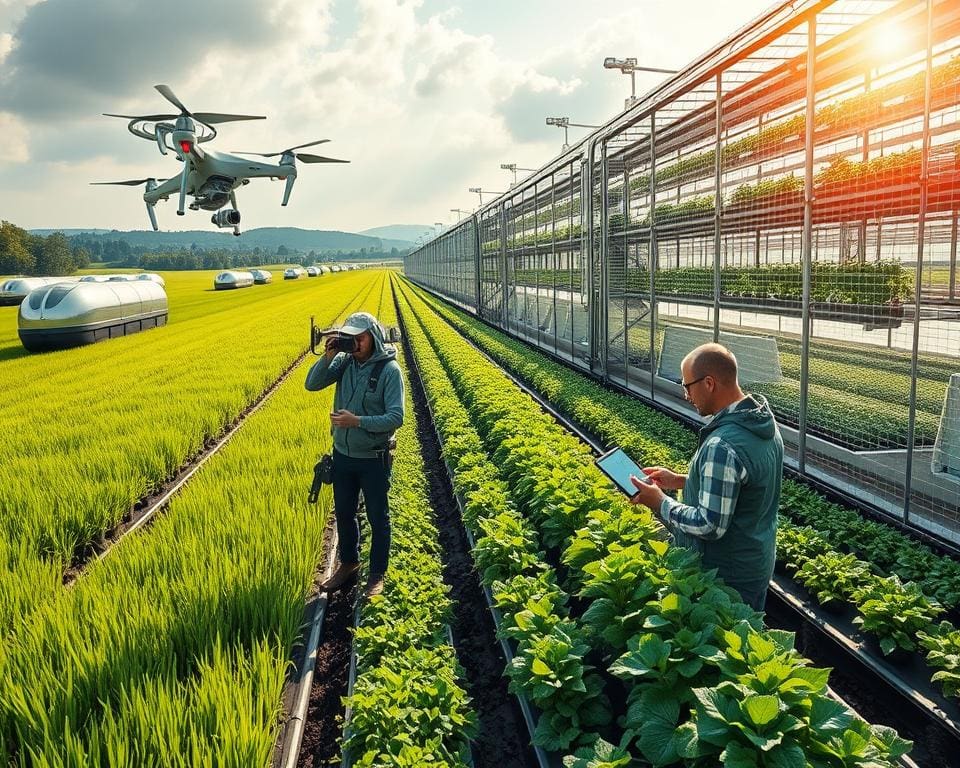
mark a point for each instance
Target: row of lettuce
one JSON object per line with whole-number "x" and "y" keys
{"x": 703, "y": 680}
{"x": 777, "y": 197}
{"x": 898, "y": 586}
{"x": 888, "y": 102}
{"x": 408, "y": 706}
{"x": 175, "y": 648}
{"x": 876, "y": 283}
{"x": 860, "y": 404}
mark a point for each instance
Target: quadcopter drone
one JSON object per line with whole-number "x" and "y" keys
{"x": 211, "y": 178}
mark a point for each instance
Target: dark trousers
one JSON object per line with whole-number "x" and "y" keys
{"x": 350, "y": 476}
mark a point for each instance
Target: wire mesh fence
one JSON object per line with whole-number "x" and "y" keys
{"x": 793, "y": 194}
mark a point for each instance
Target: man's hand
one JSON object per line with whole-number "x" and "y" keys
{"x": 344, "y": 419}
{"x": 664, "y": 478}
{"x": 330, "y": 348}
{"x": 647, "y": 494}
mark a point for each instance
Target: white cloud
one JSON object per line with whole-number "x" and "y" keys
{"x": 421, "y": 104}
{"x": 16, "y": 148}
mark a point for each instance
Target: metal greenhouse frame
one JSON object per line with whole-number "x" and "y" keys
{"x": 793, "y": 193}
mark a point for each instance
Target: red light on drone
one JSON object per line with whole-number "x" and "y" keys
{"x": 185, "y": 147}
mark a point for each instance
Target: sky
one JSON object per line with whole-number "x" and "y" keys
{"x": 426, "y": 98}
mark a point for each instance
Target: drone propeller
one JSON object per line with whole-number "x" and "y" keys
{"x": 285, "y": 151}
{"x": 129, "y": 183}
{"x": 209, "y": 118}
{"x": 304, "y": 158}
{"x": 151, "y": 183}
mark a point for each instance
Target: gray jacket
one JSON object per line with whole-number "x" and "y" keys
{"x": 380, "y": 410}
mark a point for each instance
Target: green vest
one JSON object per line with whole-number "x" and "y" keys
{"x": 744, "y": 555}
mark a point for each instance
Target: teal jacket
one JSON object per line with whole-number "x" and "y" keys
{"x": 380, "y": 410}
{"x": 745, "y": 554}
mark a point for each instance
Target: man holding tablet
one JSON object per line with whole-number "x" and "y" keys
{"x": 732, "y": 490}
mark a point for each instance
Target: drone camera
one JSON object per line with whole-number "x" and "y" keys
{"x": 228, "y": 218}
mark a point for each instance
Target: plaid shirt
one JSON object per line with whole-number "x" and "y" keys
{"x": 723, "y": 474}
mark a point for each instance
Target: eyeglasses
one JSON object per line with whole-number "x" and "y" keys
{"x": 689, "y": 384}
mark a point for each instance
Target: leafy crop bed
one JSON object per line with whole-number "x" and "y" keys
{"x": 903, "y": 585}
{"x": 408, "y": 706}
{"x": 665, "y": 660}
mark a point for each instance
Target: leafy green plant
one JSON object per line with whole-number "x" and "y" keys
{"x": 551, "y": 671}
{"x": 398, "y": 705}
{"x": 834, "y": 578}
{"x": 600, "y": 754}
{"x": 894, "y": 613}
{"x": 507, "y": 548}
{"x": 943, "y": 653}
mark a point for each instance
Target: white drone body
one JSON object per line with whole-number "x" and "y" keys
{"x": 210, "y": 178}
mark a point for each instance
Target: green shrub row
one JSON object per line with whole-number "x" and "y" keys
{"x": 900, "y": 617}
{"x": 693, "y": 658}
{"x": 619, "y": 419}
{"x": 408, "y": 705}
{"x": 876, "y": 283}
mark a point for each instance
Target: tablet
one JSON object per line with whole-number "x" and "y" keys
{"x": 616, "y": 465}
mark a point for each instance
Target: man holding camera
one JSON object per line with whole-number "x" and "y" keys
{"x": 367, "y": 410}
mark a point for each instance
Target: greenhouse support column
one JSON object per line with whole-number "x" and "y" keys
{"x": 586, "y": 255}
{"x": 717, "y": 201}
{"x": 953, "y": 256}
{"x": 477, "y": 259}
{"x": 654, "y": 258}
{"x": 504, "y": 304}
{"x": 921, "y": 226}
{"x": 554, "y": 261}
{"x": 603, "y": 307}
{"x": 806, "y": 250}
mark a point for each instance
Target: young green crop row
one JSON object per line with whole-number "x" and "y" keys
{"x": 900, "y": 618}
{"x": 704, "y": 682}
{"x": 510, "y": 559}
{"x": 173, "y": 651}
{"x": 875, "y": 283}
{"x": 84, "y": 433}
{"x": 855, "y": 421}
{"x": 645, "y": 433}
{"x": 408, "y": 705}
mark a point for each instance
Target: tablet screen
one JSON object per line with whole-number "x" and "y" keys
{"x": 618, "y": 467}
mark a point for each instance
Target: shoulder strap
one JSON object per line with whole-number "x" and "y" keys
{"x": 375, "y": 375}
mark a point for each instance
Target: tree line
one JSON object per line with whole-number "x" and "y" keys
{"x": 22, "y": 253}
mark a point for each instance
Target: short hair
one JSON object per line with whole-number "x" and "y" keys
{"x": 713, "y": 360}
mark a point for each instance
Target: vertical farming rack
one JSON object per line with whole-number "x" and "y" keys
{"x": 792, "y": 193}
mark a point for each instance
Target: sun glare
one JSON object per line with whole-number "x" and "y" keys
{"x": 887, "y": 41}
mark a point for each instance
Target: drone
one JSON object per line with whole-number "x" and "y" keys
{"x": 211, "y": 178}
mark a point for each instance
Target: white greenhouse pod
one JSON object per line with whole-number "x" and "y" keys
{"x": 227, "y": 280}
{"x": 153, "y": 277}
{"x": 15, "y": 290}
{"x": 261, "y": 276}
{"x": 313, "y": 272}
{"x": 294, "y": 273}
{"x": 74, "y": 314}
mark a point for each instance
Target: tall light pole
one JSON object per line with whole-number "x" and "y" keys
{"x": 564, "y": 122}
{"x": 480, "y": 192}
{"x": 630, "y": 67}
{"x": 439, "y": 226}
{"x": 459, "y": 212}
{"x": 513, "y": 167}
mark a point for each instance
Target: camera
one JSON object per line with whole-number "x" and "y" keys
{"x": 344, "y": 343}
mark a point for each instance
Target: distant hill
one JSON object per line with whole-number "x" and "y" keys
{"x": 408, "y": 232}
{"x": 270, "y": 238}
